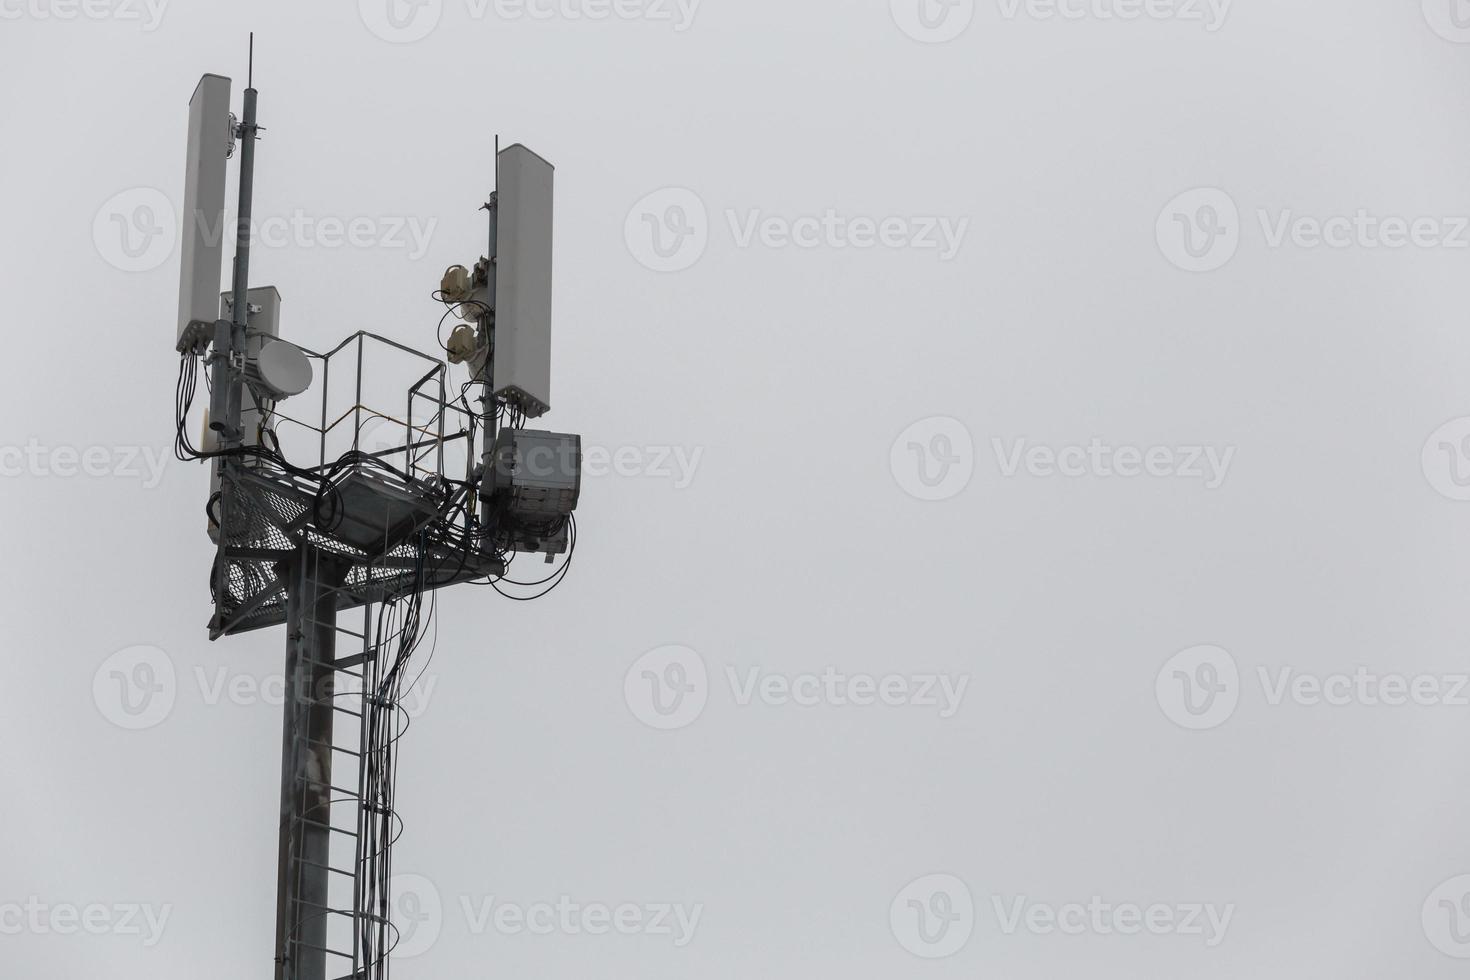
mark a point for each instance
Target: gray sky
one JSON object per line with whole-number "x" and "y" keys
{"x": 1035, "y": 437}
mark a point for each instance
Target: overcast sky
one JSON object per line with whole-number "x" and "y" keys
{"x": 1024, "y": 529}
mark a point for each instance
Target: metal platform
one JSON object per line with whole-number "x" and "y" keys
{"x": 372, "y": 517}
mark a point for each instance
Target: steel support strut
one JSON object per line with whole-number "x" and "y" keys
{"x": 314, "y": 579}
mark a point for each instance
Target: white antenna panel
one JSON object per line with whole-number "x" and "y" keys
{"x": 523, "y": 280}
{"x": 202, "y": 240}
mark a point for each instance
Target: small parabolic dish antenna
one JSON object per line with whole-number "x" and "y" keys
{"x": 282, "y": 369}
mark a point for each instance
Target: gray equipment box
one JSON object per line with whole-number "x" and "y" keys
{"x": 263, "y": 316}
{"x": 535, "y": 475}
{"x": 202, "y": 243}
{"x": 523, "y": 256}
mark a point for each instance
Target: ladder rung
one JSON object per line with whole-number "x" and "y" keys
{"x": 334, "y": 748}
{"x": 325, "y": 908}
{"x": 337, "y": 666}
{"x": 328, "y": 867}
{"x": 331, "y": 952}
{"x": 327, "y": 826}
{"x": 351, "y": 794}
{"x": 340, "y": 629}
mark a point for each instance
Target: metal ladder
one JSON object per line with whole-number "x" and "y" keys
{"x": 327, "y": 927}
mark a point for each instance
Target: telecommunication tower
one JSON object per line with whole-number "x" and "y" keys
{"x": 391, "y": 484}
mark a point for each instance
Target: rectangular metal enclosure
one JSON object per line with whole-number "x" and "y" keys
{"x": 201, "y": 242}
{"x": 522, "y": 360}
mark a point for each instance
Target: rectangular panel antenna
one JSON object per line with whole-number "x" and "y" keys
{"x": 522, "y": 368}
{"x": 202, "y": 239}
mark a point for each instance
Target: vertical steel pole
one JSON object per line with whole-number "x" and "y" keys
{"x": 235, "y": 390}
{"x": 487, "y": 325}
{"x": 313, "y": 583}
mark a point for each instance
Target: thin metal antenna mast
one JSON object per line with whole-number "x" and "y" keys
{"x": 241, "y": 284}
